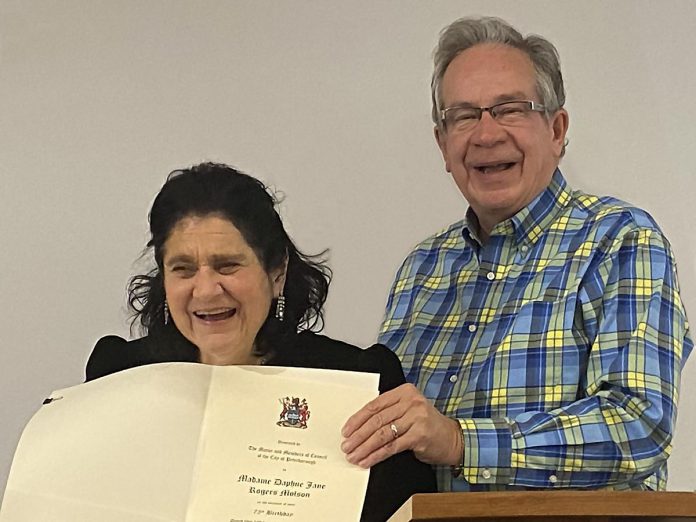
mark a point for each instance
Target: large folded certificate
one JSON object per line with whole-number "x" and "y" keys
{"x": 185, "y": 442}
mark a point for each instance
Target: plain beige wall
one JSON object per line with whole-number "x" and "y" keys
{"x": 327, "y": 100}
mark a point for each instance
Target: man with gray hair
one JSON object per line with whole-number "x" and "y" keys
{"x": 543, "y": 334}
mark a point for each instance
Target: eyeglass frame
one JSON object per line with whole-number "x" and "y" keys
{"x": 532, "y": 107}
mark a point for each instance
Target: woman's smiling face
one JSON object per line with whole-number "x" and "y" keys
{"x": 218, "y": 292}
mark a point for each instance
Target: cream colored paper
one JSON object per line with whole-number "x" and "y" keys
{"x": 191, "y": 443}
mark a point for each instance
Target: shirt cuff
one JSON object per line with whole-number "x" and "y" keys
{"x": 487, "y": 451}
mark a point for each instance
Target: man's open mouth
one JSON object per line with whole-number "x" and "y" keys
{"x": 493, "y": 168}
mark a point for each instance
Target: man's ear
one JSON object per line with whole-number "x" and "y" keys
{"x": 441, "y": 139}
{"x": 559, "y": 128}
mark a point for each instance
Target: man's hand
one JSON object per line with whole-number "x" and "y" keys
{"x": 399, "y": 420}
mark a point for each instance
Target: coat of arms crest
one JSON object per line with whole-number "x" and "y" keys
{"x": 295, "y": 413}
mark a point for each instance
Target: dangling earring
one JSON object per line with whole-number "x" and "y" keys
{"x": 280, "y": 307}
{"x": 166, "y": 312}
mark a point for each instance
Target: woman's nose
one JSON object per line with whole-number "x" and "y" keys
{"x": 206, "y": 283}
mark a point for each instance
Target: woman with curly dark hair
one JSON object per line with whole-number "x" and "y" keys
{"x": 230, "y": 287}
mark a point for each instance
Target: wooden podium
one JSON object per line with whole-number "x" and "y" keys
{"x": 550, "y": 506}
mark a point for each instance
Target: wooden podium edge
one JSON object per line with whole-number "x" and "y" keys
{"x": 481, "y": 505}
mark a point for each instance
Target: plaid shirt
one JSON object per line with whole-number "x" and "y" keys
{"x": 558, "y": 345}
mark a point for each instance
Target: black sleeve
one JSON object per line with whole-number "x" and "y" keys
{"x": 111, "y": 354}
{"x": 393, "y": 481}
{"x": 385, "y": 362}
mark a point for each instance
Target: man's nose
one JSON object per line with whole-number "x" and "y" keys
{"x": 488, "y": 131}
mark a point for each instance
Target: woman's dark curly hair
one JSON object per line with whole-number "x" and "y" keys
{"x": 217, "y": 189}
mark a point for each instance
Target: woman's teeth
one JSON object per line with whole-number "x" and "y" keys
{"x": 216, "y": 315}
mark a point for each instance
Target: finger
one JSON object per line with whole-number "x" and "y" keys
{"x": 376, "y": 430}
{"x": 370, "y": 410}
{"x": 383, "y": 453}
{"x": 383, "y": 436}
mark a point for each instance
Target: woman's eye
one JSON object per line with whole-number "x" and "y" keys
{"x": 182, "y": 270}
{"x": 227, "y": 268}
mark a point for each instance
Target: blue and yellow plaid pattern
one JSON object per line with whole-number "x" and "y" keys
{"x": 558, "y": 345}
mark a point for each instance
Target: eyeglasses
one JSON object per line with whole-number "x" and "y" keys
{"x": 510, "y": 113}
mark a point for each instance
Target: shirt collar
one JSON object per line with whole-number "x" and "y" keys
{"x": 530, "y": 222}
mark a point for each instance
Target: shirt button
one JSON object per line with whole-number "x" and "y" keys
{"x": 472, "y": 328}
{"x": 553, "y": 479}
{"x": 524, "y": 249}
{"x": 490, "y": 276}
{"x": 453, "y": 378}
{"x": 486, "y": 473}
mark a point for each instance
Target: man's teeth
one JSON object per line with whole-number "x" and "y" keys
{"x": 495, "y": 168}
